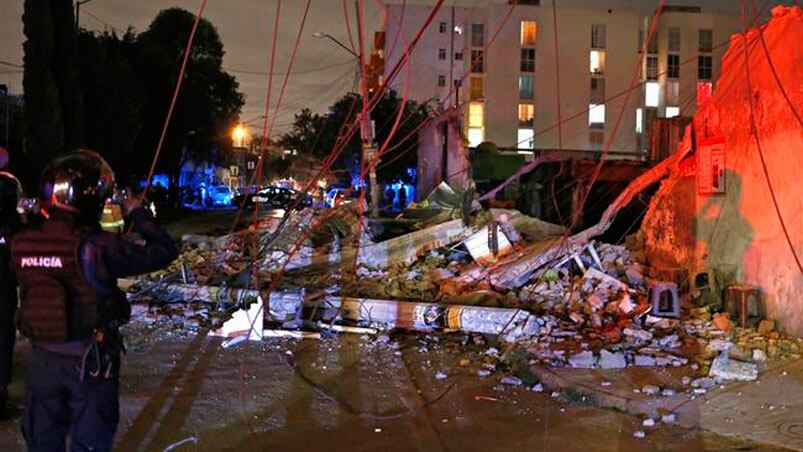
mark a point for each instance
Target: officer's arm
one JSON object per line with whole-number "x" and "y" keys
{"x": 123, "y": 258}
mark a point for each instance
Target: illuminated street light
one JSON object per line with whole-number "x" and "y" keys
{"x": 239, "y": 135}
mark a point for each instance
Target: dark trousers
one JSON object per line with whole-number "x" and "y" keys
{"x": 59, "y": 404}
{"x": 8, "y": 306}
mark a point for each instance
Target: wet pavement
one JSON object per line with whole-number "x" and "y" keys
{"x": 351, "y": 393}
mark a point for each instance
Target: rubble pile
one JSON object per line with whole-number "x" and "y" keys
{"x": 571, "y": 303}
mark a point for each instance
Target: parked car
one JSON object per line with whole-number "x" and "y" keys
{"x": 277, "y": 198}
{"x": 220, "y": 195}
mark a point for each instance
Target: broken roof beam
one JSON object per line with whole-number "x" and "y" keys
{"x": 516, "y": 272}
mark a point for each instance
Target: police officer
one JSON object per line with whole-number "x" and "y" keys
{"x": 10, "y": 192}
{"x": 71, "y": 307}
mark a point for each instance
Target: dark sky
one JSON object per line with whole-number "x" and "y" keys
{"x": 325, "y": 71}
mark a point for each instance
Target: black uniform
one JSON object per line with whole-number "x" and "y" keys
{"x": 9, "y": 224}
{"x": 71, "y": 309}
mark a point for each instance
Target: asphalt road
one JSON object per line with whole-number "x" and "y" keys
{"x": 349, "y": 393}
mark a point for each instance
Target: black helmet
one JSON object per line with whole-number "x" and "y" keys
{"x": 10, "y": 193}
{"x": 80, "y": 183}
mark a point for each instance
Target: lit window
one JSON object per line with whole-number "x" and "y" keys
{"x": 526, "y": 87}
{"x": 674, "y": 39}
{"x": 441, "y": 54}
{"x": 597, "y": 61}
{"x": 526, "y": 114}
{"x": 596, "y": 116}
{"x": 441, "y": 80}
{"x": 529, "y": 33}
{"x": 477, "y": 87}
{"x": 475, "y": 136}
{"x": 704, "y": 92}
{"x": 527, "y": 60}
{"x": 598, "y": 36}
{"x": 671, "y": 112}
{"x": 639, "y": 120}
{"x": 476, "y": 112}
{"x": 704, "y": 67}
{"x": 705, "y": 40}
{"x": 478, "y": 35}
{"x": 477, "y": 61}
{"x": 652, "y": 94}
{"x": 526, "y": 139}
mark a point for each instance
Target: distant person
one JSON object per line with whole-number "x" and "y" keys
{"x": 10, "y": 192}
{"x": 71, "y": 308}
{"x": 389, "y": 197}
{"x": 402, "y": 197}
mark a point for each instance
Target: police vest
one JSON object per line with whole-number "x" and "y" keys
{"x": 56, "y": 304}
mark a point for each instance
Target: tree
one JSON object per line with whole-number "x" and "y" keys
{"x": 209, "y": 102}
{"x": 316, "y": 135}
{"x": 52, "y": 97}
{"x": 114, "y": 105}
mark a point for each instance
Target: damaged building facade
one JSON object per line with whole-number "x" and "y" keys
{"x": 730, "y": 211}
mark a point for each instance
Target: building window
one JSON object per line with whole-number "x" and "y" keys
{"x": 476, "y": 136}
{"x": 526, "y": 115}
{"x": 673, "y": 65}
{"x": 639, "y": 120}
{"x": 526, "y": 139}
{"x": 478, "y": 61}
{"x": 529, "y": 33}
{"x": 441, "y": 54}
{"x": 528, "y": 60}
{"x": 640, "y": 40}
{"x": 477, "y": 87}
{"x": 477, "y": 35}
{"x": 596, "y": 62}
{"x": 596, "y": 116}
{"x": 526, "y": 87}
{"x": 671, "y": 112}
{"x": 704, "y": 92}
{"x": 704, "y": 67}
{"x": 705, "y": 42}
{"x": 652, "y": 46}
{"x": 441, "y": 80}
{"x": 652, "y": 94}
{"x": 674, "y": 39}
{"x": 596, "y": 138}
{"x": 597, "y": 91}
{"x": 652, "y": 68}
{"x": 442, "y": 27}
{"x": 458, "y": 56}
{"x": 476, "y": 114}
{"x": 598, "y": 36}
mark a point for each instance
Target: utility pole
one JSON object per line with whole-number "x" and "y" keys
{"x": 366, "y": 127}
{"x": 78, "y": 4}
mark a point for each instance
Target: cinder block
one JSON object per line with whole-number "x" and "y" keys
{"x": 664, "y": 298}
{"x": 744, "y": 304}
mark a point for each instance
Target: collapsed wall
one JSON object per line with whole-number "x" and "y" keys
{"x": 716, "y": 210}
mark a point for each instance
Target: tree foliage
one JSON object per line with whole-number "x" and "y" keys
{"x": 52, "y": 97}
{"x": 210, "y": 101}
{"x": 316, "y": 135}
{"x": 111, "y": 93}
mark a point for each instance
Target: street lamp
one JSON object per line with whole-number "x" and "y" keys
{"x": 320, "y": 34}
{"x": 238, "y": 135}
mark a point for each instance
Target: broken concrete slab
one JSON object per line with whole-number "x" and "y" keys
{"x": 724, "y": 368}
{"x": 608, "y": 360}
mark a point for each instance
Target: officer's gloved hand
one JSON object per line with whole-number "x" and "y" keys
{"x": 131, "y": 203}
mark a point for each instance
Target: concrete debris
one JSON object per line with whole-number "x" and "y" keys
{"x": 669, "y": 418}
{"x": 583, "y": 360}
{"x": 724, "y": 368}
{"x": 639, "y": 434}
{"x": 649, "y": 422}
{"x": 608, "y": 360}
{"x": 514, "y": 381}
{"x": 651, "y": 390}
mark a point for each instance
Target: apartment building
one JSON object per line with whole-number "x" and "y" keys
{"x": 502, "y": 68}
